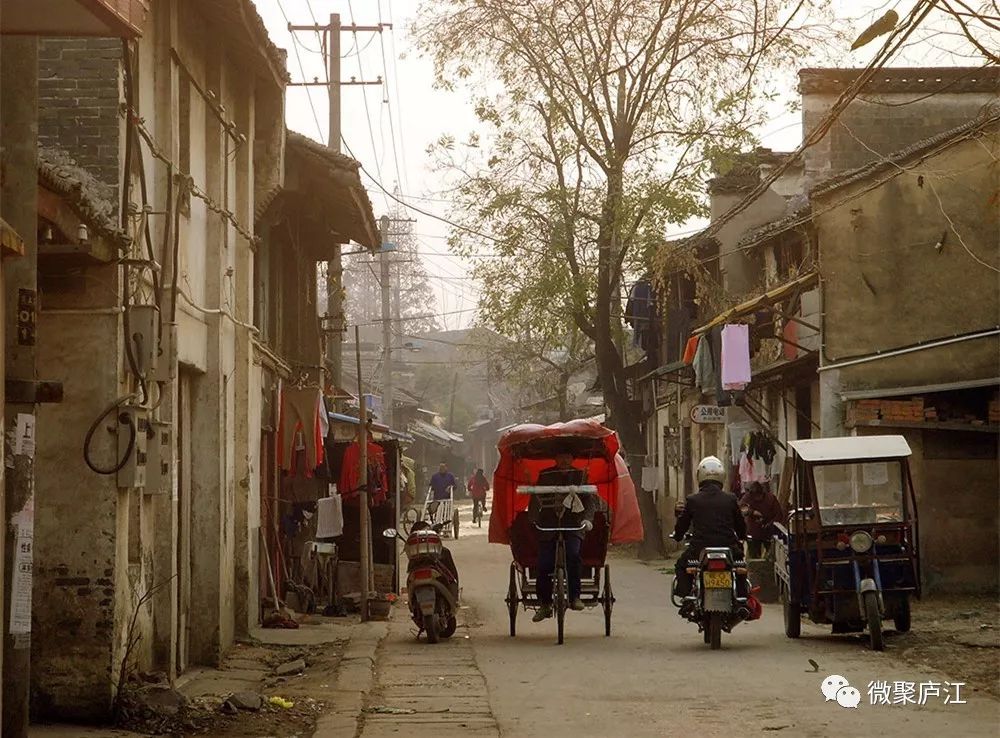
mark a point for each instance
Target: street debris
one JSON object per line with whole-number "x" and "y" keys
{"x": 281, "y": 702}
{"x": 291, "y": 667}
{"x": 385, "y": 710}
{"x": 250, "y": 701}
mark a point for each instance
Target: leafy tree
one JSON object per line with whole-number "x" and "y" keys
{"x": 599, "y": 118}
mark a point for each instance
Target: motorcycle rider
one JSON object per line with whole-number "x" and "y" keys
{"x": 716, "y": 519}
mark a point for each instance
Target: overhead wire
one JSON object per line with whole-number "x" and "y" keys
{"x": 302, "y": 70}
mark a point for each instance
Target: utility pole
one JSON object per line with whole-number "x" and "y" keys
{"x": 451, "y": 412}
{"x": 387, "y": 388}
{"x": 365, "y": 513}
{"x": 335, "y": 321}
{"x": 18, "y": 206}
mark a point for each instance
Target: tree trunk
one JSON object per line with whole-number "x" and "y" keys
{"x": 564, "y": 397}
{"x": 611, "y": 368}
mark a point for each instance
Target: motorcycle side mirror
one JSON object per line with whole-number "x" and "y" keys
{"x": 389, "y": 533}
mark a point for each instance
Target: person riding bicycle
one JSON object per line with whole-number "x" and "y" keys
{"x": 478, "y": 486}
{"x": 715, "y": 517}
{"x": 560, "y": 511}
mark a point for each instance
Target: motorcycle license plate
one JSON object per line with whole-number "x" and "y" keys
{"x": 425, "y": 595}
{"x": 718, "y": 579}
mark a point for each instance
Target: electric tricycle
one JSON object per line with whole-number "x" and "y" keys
{"x": 848, "y": 556}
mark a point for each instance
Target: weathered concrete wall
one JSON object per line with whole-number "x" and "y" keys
{"x": 743, "y": 271}
{"x": 878, "y": 125}
{"x": 886, "y": 286}
{"x": 77, "y": 567}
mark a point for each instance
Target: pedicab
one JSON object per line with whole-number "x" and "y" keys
{"x": 849, "y": 555}
{"x": 526, "y": 451}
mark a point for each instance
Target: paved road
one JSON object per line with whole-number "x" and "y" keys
{"x": 653, "y": 677}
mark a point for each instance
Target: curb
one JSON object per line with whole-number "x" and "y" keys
{"x": 355, "y": 678}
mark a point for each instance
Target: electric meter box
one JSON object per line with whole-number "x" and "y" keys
{"x": 132, "y": 423}
{"x": 144, "y": 336}
{"x": 159, "y": 459}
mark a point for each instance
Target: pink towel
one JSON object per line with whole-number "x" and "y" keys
{"x": 735, "y": 355}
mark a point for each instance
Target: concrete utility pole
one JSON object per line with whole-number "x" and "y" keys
{"x": 18, "y": 205}
{"x": 336, "y": 324}
{"x": 387, "y": 377}
{"x": 335, "y": 266}
{"x": 365, "y": 513}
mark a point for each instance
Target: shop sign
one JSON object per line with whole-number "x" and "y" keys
{"x": 708, "y": 414}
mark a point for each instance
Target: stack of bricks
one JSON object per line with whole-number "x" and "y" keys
{"x": 899, "y": 411}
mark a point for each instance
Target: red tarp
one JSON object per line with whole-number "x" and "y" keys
{"x": 526, "y": 450}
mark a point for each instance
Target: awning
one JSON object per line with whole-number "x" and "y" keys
{"x": 675, "y": 368}
{"x": 768, "y": 299}
{"x": 434, "y": 434}
{"x": 377, "y": 427}
{"x": 334, "y": 181}
{"x": 104, "y": 18}
{"x": 924, "y": 389}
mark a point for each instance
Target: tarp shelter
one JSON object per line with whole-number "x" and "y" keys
{"x": 526, "y": 450}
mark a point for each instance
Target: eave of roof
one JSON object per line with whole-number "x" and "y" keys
{"x": 928, "y": 146}
{"x": 92, "y": 200}
{"x": 919, "y": 80}
{"x": 357, "y": 218}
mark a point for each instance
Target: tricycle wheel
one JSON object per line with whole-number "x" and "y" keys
{"x": 512, "y": 600}
{"x": 609, "y": 600}
{"x": 902, "y": 618}
{"x": 560, "y": 601}
{"x": 793, "y": 617}
{"x": 874, "y": 618}
{"x": 454, "y": 523}
{"x": 715, "y": 631}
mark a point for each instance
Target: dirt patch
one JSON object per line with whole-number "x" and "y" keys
{"x": 959, "y": 636}
{"x": 206, "y": 713}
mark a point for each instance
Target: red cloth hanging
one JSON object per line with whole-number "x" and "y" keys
{"x": 350, "y": 478}
{"x": 298, "y": 412}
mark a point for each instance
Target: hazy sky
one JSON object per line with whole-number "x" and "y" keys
{"x": 389, "y": 127}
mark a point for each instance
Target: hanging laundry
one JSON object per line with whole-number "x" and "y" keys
{"x": 299, "y": 427}
{"x": 735, "y": 357}
{"x": 329, "y": 517}
{"x": 640, "y": 313}
{"x": 704, "y": 370}
{"x": 723, "y": 398}
{"x": 690, "y": 350}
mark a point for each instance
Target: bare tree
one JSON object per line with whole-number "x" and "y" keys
{"x": 599, "y": 118}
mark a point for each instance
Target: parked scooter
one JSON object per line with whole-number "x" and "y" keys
{"x": 431, "y": 580}
{"x": 715, "y": 604}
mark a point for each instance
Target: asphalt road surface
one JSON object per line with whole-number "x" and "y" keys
{"x": 653, "y": 677}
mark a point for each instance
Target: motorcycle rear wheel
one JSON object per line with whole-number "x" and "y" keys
{"x": 715, "y": 631}
{"x": 450, "y": 627}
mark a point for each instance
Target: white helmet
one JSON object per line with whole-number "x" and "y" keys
{"x": 710, "y": 469}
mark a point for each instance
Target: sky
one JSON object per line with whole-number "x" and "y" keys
{"x": 389, "y": 127}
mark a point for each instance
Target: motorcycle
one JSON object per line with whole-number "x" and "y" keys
{"x": 431, "y": 581}
{"x": 715, "y": 604}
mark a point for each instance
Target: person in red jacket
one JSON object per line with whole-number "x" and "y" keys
{"x": 478, "y": 486}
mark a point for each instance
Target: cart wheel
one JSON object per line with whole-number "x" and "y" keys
{"x": 902, "y": 618}
{"x": 454, "y": 523}
{"x": 793, "y": 617}
{"x": 609, "y": 600}
{"x": 874, "y": 618}
{"x": 715, "y": 631}
{"x": 560, "y": 600}
{"x": 512, "y": 600}
{"x": 431, "y": 626}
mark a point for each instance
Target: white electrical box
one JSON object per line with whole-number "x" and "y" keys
{"x": 159, "y": 459}
{"x": 165, "y": 369}
{"x": 132, "y": 424}
{"x": 144, "y": 336}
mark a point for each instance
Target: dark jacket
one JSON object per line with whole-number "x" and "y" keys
{"x": 715, "y": 517}
{"x": 763, "y": 511}
{"x": 547, "y": 511}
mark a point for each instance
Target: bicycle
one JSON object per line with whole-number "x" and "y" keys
{"x": 560, "y": 596}
{"x": 478, "y": 507}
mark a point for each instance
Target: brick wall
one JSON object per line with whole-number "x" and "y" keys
{"x": 78, "y": 96}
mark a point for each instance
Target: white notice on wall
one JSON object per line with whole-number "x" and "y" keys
{"x": 20, "y": 604}
{"x": 24, "y": 435}
{"x": 875, "y": 475}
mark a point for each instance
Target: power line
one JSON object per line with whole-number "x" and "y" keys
{"x": 302, "y": 70}
{"x": 385, "y": 99}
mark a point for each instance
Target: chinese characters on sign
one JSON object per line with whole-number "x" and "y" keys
{"x": 708, "y": 414}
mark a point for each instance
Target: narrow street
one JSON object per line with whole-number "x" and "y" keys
{"x": 653, "y": 677}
